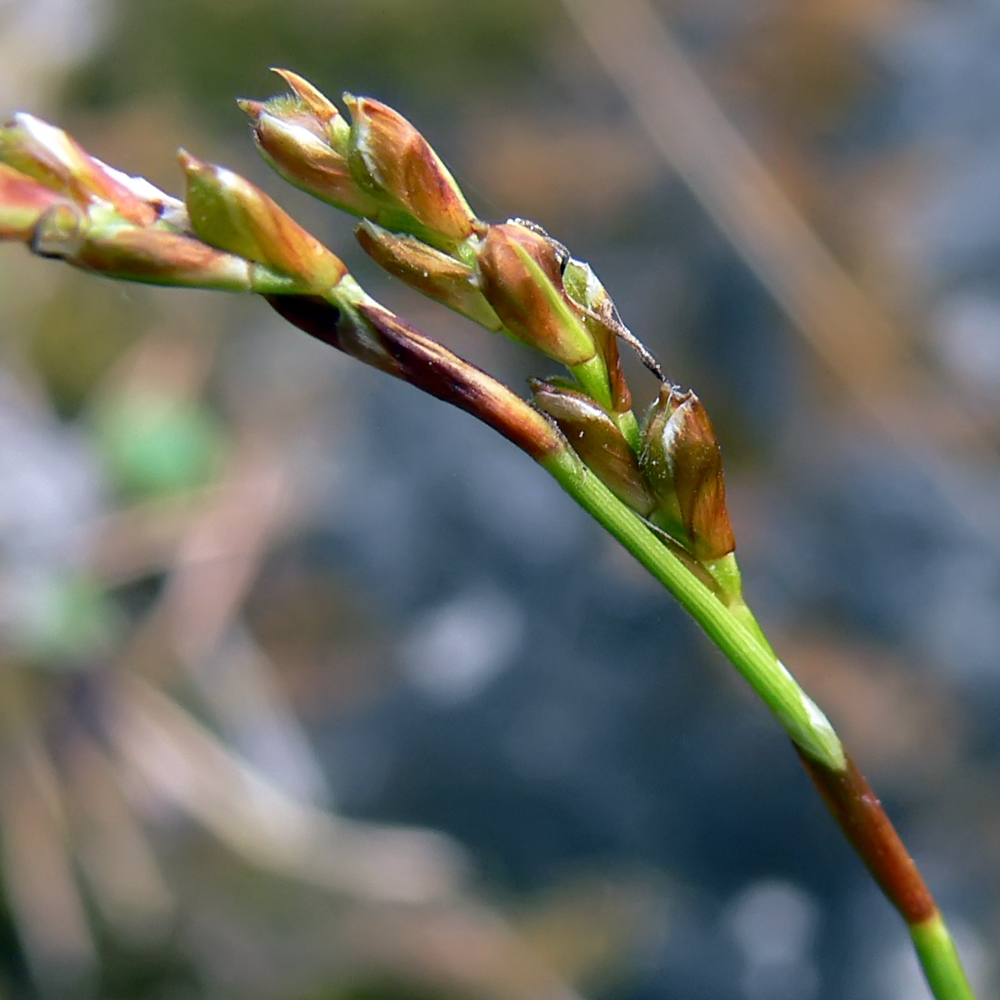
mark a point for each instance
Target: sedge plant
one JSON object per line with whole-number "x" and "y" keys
{"x": 656, "y": 485}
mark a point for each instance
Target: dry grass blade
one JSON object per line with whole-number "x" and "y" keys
{"x": 460, "y": 950}
{"x": 184, "y": 763}
{"x": 114, "y": 854}
{"x": 39, "y": 883}
{"x": 220, "y": 556}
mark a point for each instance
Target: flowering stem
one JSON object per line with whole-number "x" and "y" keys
{"x": 230, "y": 235}
{"x": 732, "y": 627}
{"x": 797, "y": 713}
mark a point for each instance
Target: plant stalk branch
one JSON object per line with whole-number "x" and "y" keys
{"x": 844, "y": 790}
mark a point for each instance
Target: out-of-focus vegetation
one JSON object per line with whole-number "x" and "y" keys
{"x": 311, "y": 688}
{"x": 436, "y": 49}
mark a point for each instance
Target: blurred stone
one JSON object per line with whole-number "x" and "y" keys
{"x": 774, "y": 923}
{"x": 967, "y": 339}
{"x": 454, "y": 651}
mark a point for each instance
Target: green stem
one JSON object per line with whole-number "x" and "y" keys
{"x": 799, "y": 715}
{"x": 594, "y": 380}
{"x": 732, "y": 627}
{"x": 940, "y": 961}
{"x": 726, "y": 574}
{"x": 742, "y": 613}
{"x": 629, "y": 427}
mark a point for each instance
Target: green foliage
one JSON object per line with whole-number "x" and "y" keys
{"x": 79, "y": 334}
{"x": 69, "y": 622}
{"x": 157, "y": 445}
{"x": 206, "y": 47}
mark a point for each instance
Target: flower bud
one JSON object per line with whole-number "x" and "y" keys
{"x": 55, "y": 159}
{"x": 437, "y": 275}
{"x": 159, "y": 257}
{"x": 23, "y": 201}
{"x": 99, "y": 240}
{"x": 395, "y": 162}
{"x": 168, "y": 209}
{"x": 521, "y": 278}
{"x": 152, "y": 256}
{"x": 298, "y": 145}
{"x": 597, "y": 440}
{"x": 683, "y": 466}
{"x": 318, "y": 104}
{"x": 229, "y": 213}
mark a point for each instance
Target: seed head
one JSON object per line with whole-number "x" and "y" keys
{"x": 390, "y": 158}
{"x": 595, "y": 437}
{"x": 430, "y": 271}
{"x": 56, "y": 160}
{"x": 683, "y": 466}
{"x": 227, "y": 212}
{"x": 131, "y": 253}
{"x": 521, "y": 278}
{"x": 305, "y": 139}
{"x": 23, "y": 201}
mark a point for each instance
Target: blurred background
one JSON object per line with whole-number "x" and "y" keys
{"x": 314, "y": 688}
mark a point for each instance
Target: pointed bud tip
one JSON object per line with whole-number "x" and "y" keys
{"x": 317, "y": 102}
{"x": 190, "y": 164}
{"x": 251, "y": 108}
{"x": 26, "y": 120}
{"x": 352, "y": 104}
{"x": 195, "y": 168}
